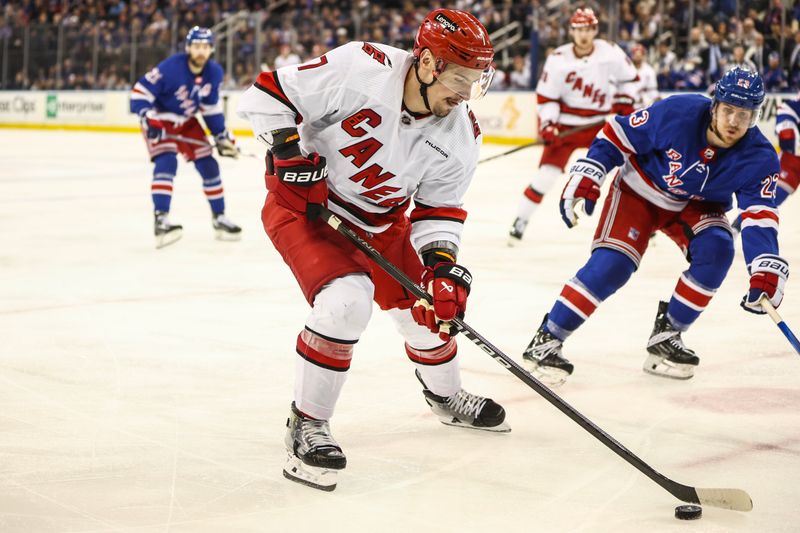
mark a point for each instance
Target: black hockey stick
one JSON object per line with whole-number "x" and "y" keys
{"x": 735, "y": 499}
{"x": 537, "y": 142}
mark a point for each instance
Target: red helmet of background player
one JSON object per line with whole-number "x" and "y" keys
{"x": 455, "y": 37}
{"x": 583, "y": 18}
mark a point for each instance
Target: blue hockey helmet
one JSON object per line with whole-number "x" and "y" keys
{"x": 741, "y": 88}
{"x": 200, "y": 35}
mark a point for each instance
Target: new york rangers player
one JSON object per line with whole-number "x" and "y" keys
{"x": 681, "y": 161}
{"x": 365, "y": 129}
{"x": 581, "y": 83}
{"x": 167, "y": 99}
{"x": 786, "y": 128}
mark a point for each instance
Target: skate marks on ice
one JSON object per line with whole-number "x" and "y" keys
{"x": 142, "y": 392}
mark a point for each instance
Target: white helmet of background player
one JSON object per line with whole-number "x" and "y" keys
{"x": 463, "y": 52}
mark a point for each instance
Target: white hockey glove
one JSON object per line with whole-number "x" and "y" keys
{"x": 768, "y": 275}
{"x": 226, "y": 145}
{"x": 585, "y": 178}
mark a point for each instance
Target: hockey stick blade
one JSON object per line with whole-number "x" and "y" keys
{"x": 734, "y": 499}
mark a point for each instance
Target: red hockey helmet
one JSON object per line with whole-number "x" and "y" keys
{"x": 583, "y": 18}
{"x": 458, "y": 39}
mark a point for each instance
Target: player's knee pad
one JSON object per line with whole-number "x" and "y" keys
{"x": 711, "y": 253}
{"x": 416, "y": 336}
{"x": 165, "y": 164}
{"x": 207, "y": 167}
{"x": 545, "y": 177}
{"x": 343, "y": 307}
{"x": 606, "y": 271}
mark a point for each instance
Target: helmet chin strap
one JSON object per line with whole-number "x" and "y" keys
{"x": 423, "y": 87}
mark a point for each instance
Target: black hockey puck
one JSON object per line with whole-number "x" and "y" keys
{"x": 688, "y": 512}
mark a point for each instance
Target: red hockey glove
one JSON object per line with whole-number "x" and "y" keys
{"x": 298, "y": 183}
{"x": 585, "y": 178}
{"x": 448, "y": 284}
{"x": 768, "y": 275}
{"x": 549, "y": 133}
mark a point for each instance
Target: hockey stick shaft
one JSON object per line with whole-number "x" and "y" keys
{"x": 735, "y": 499}
{"x": 773, "y": 314}
{"x": 197, "y": 142}
{"x": 537, "y": 142}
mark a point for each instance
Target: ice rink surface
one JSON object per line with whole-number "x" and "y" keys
{"x": 147, "y": 390}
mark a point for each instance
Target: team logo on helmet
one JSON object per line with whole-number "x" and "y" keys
{"x": 446, "y": 22}
{"x": 743, "y": 82}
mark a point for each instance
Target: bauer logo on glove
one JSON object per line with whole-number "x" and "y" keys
{"x": 449, "y": 285}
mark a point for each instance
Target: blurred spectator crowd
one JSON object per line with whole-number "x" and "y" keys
{"x": 107, "y": 44}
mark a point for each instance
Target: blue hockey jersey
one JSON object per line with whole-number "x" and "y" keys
{"x": 666, "y": 158}
{"x": 786, "y": 123}
{"x": 172, "y": 89}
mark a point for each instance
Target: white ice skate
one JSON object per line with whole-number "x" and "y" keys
{"x": 225, "y": 229}
{"x": 315, "y": 458}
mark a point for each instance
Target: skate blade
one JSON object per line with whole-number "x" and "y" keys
{"x": 500, "y": 428}
{"x": 552, "y": 377}
{"x": 168, "y": 238}
{"x": 513, "y": 242}
{"x": 658, "y": 365}
{"x": 311, "y": 476}
{"x": 222, "y": 235}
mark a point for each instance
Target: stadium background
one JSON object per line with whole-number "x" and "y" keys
{"x": 70, "y": 64}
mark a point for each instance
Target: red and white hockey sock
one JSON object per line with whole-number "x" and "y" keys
{"x": 321, "y": 370}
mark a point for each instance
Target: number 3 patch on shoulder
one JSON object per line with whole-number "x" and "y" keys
{"x": 638, "y": 118}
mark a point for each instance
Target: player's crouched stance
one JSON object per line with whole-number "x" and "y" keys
{"x": 681, "y": 161}
{"x": 166, "y": 100}
{"x": 364, "y": 129}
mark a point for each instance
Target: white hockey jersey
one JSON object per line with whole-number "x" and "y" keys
{"x": 348, "y": 107}
{"x": 574, "y": 91}
{"x": 646, "y": 88}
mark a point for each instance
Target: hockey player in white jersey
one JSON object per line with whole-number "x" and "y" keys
{"x": 646, "y": 91}
{"x": 365, "y": 129}
{"x": 581, "y": 84}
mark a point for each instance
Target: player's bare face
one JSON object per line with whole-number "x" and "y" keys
{"x": 199, "y": 53}
{"x": 583, "y": 39}
{"x": 729, "y": 124}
